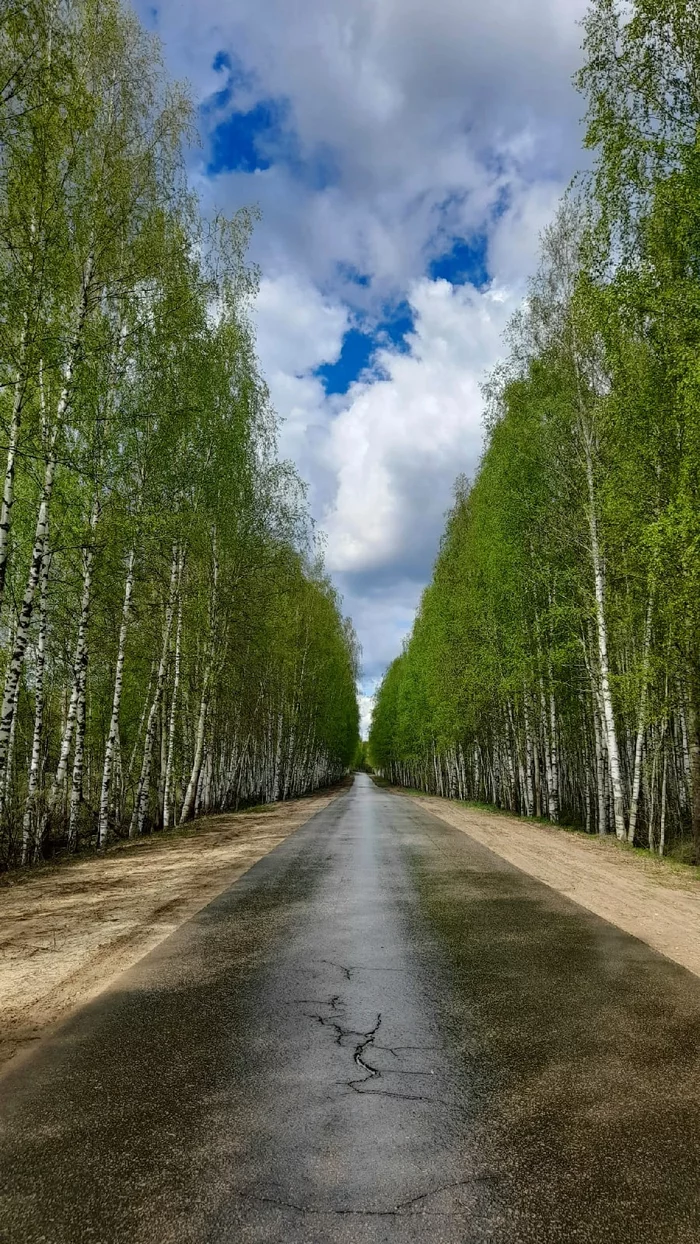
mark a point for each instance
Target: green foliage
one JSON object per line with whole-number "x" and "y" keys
{"x": 554, "y": 666}
{"x": 170, "y": 643}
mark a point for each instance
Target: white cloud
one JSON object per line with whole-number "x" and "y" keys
{"x": 298, "y": 329}
{"x": 426, "y": 112}
{"x": 437, "y": 120}
{"x": 383, "y": 610}
{"x": 366, "y": 706}
{"x": 513, "y": 243}
{"x": 398, "y": 445}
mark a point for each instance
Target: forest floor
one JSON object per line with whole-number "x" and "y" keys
{"x": 651, "y": 898}
{"x": 67, "y": 930}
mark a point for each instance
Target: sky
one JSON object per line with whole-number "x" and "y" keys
{"x": 405, "y": 155}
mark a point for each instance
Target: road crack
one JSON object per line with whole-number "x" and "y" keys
{"x": 364, "y": 1044}
{"x": 402, "y": 1208}
{"x": 367, "y": 1041}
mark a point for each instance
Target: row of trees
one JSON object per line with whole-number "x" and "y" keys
{"x": 169, "y": 643}
{"x": 554, "y": 667}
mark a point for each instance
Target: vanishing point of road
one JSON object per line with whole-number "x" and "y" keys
{"x": 382, "y": 1032}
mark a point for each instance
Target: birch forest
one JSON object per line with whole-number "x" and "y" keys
{"x": 554, "y": 666}
{"x": 169, "y": 642}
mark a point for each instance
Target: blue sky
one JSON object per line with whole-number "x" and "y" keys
{"x": 405, "y": 157}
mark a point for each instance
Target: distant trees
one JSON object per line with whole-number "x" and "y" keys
{"x": 554, "y": 668}
{"x": 361, "y": 763}
{"x": 168, "y": 643}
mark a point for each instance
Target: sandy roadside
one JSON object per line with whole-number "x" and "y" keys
{"x": 68, "y": 931}
{"x": 645, "y": 897}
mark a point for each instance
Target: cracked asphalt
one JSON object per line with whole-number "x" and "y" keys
{"x": 382, "y": 1032}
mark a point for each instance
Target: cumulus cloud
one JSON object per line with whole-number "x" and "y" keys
{"x": 298, "y": 329}
{"x": 425, "y": 115}
{"x": 365, "y": 701}
{"x": 382, "y": 611}
{"x": 405, "y": 125}
{"x": 397, "y": 446}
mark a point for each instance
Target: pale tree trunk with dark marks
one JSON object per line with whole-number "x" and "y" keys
{"x": 8, "y": 491}
{"x": 31, "y": 838}
{"x": 641, "y": 722}
{"x": 191, "y": 792}
{"x": 168, "y": 809}
{"x": 79, "y": 675}
{"x": 693, "y": 726}
{"x": 81, "y": 669}
{"x": 144, "y": 787}
{"x": 6, "y": 793}
{"x": 76, "y": 794}
{"x": 603, "y": 662}
{"x": 14, "y": 668}
{"x": 112, "y": 737}
{"x": 188, "y": 803}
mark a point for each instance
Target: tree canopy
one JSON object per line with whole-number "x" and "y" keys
{"x": 170, "y": 643}
{"x": 554, "y": 667}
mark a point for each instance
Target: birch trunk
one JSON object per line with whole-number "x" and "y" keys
{"x": 600, "y": 773}
{"x": 637, "y": 769}
{"x": 188, "y": 804}
{"x": 144, "y": 787}
{"x": 554, "y": 764}
{"x": 685, "y": 746}
{"x": 8, "y": 491}
{"x": 76, "y": 794}
{"x": 31, "y": 842}
{"x": 694, "y": 747}
{"x": 142, "y": 720}
{"x": 79, "y": 672}
{"x": 191, "y": 792}
{"x": 80, "y": 679}
{"x": 14, "y": 668}
{"x": 547, "y": 750}
{"x": 107, "y": 773}
{"x": 662, "y": 824}
{"x": 529, "y": 792}
{"x": 603, "y": 661}
{"x": 167, "y": 794}
{"x": 4, "y": 799}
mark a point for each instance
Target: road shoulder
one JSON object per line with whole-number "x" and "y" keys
{"x": 642, "y": 896}
{"x": 69, "y": 931}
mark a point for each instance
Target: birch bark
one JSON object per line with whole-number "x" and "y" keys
{"x": 14, "y": 668}
{"x": 76, "y": 794}
{"x": 8, "y": 491}
{"x": 31, "y": 841}
{"x": 79, "y": 672}
{"x": 167, "y": 793}
{"x": 107, "y": 773}
{"x": 191, "y": 792}
{"x": 188, "y": 804}
{"x": 637, "y": 770}
{"x": 144, "y": 786}
{"x": 603, "y": 660}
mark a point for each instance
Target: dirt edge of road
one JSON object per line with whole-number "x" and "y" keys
{"x": 67, "y": 931}
{"x": 639, "y": 895}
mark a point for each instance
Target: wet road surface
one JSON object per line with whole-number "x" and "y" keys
{"x": 382, "y": 1032}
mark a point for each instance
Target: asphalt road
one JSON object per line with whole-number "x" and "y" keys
{"x": 381, "y": 1033}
